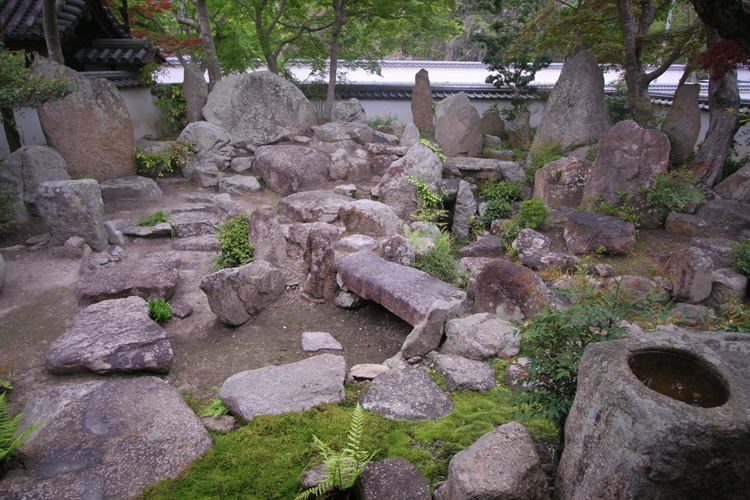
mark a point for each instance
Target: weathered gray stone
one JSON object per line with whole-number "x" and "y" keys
{"x": 421, "y": 102}
{"x": 689, "y": 270}
{"x": 625, "y": 440}
{"x": 130, "y": 188}
{"x": 462, "y": 374}
{"x": 280, "y": 389}
{"x": 239, "y": 184}
{"x": 561, "y": 182}
{"x": 195, "y": 90}
{"x": 369, "y": 217}
{"x": 320, "y": 263}
{"x": 501, "y": 465}
{"x": 290, "y": 169}
{"x": 638, "y": 288}
{"x": 111, "y": 336}
{"x": 241, "y": 164}
{"x": 114, "y": 235}
{"x": 557, "y": 260}
{"x": 484, "y": 246}
{"x": 628, "y": 159}
{"x": 726, "y": 283}
{"x": 481, "y": 336}
{"x": 484, "y": 168}
{"x": 266, "y": 237}
{"x": 337, "y": 132}
{"x": 531, "y": 246}
{"x": 684, "y": 224}
{"x": 312, "y": 206}
{"x": 736, "y": 187}
{"x": 406, "y": 394}
{"x": 586, "y": 232}
{"x": 91, "y": 127}
{"x": 154, "y": 276}
{"x": 198, "y": 223}
{"x": 457, "y": 126}
{"x": 508, "y": 289}
{"x": 225, "y": 208}
{"x": 212, "y": 148}
{"x": 339, "y": 168}
{"x": 576, "y": 112}
{"x": 492, "y": 124}
{"x": 366, "y": 371}
{"x": 259, "y": 108}
{"x": 181, "y": 309}
{"x": 465, "y": 211}
{"x": 161, "y": 230}
{"x": 348, "y": 300}
{"x": 316, "y": 341}
{"x": 105, "y": 439}
{"x": 410, "y": 137}
{"x": 396, "y": 190}
{"x": 427, "y": 334}
{"x": 398, "y": 249}
{"x": 730, "y": 217}
{"x": 237, "y": 294}
{"x": 355, "y": 243}
{"x": 22, "y": 172}
{"x": 683, "y": 122}
{"x": 519, "y": 131}
{"x": 348, "y": 111}
{"x": 73, "y": 208}
{"x": 393, "y": 479}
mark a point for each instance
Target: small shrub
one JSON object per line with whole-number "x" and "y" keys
{"x": 159, "y": 310}
{"x": 344, "y": 467}
{"x": 531, "y": 214}
{"x": 214, "y": 408}
{"x": 499, "y": 196}
{"x": 10, "y": 439}
{"x": 155, "y": 165}
{"x": 234, "y": 246}
{"x": 741, "y": 257}
{"x": 440, "y": 262}
{"x": 540, "y": 157}
{"x": 9, "y": 206}
{"x": 153, "y": 219}
{"x": 431, "y": 203}
{"x": 674, "y": 190}
{"x": 622, "y": 208}
{"x": 379, "y": 120}
{"x": 171, "y": 102}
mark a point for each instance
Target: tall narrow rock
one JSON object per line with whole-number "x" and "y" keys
{"x": 683, "y": 122}
{"x": 421, "y": 102}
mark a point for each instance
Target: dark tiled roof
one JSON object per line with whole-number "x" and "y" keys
{"x": 119, "y": 78}
{"x": 117, "y": 51}
{"x": 21, "y": 20}
{"x": 386, "y": 91}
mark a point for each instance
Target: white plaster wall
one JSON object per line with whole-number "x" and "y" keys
{"x": 142, "y": 111}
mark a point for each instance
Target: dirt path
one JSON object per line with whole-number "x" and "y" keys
{"x": 37, "y": 304}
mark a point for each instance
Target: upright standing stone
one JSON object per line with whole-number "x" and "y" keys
{"x": 195, "y": 90}
{"x": 457, "y": 126}
{"x": 91, "y": 127}
{"x": 683, "y": 122}
{"x": 320, "y": 264}
{"x": 73, "y": 208}
{"x": 266, "y": 236}
{"x": 421, "y": 102}
{"x": 575, "y": 113}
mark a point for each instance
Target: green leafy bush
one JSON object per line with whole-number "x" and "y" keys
{"x": 531, "y": 214}
{"x": 540, "y": 157}
{"x": 234, "y": 246}
{"x": 344, "y": 467}
{"x": 10, "y": 439}
{"x": 674, "y": 190}
{"x": 440, "y": 262}
{"x": 430, "y": 203}
{"x": 159, "y": 310}
{"x": 741, "y": 257}
{"x": 171, "y": 102}
{"x": 499, "y": 196}
{"x": 9, "y": 206}
{"x": 169, "y": 160}
{"x": 152, "y": 220}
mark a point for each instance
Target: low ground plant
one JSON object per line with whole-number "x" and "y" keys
{"x": 235, "y": 249}
{"x": 499, "y": 196}
{"x": 10, "y": 438}
{"x": 622, "y": 208}
{"x": 152, "y": 220}
{"x": 430, "y": 203}
{"x": 740, "y": 256}
{"x": 674, "y": 190}
{"x": 214, "y": 408}
{"x": 379, "y": 120}
{"x": 531, "y": 214}
{"x": 9, "y": 205}
{"x": 440, "y": 262}
{"x": 159, "y": 310}
{"x": 170, "y": 160}
{"x": 540, "y": 157}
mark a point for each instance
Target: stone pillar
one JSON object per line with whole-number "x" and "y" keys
{"x": 320, "y": 263}
{"x": 683, "y": 122}
{"x": 421, "y": 102}
{"x": 266, "y": 236}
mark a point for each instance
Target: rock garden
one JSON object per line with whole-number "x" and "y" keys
{"x": 284, "y": 308}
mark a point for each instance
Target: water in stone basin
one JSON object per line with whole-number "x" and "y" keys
{"x": 680, "y": 377}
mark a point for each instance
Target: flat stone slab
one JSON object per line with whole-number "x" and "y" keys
{"x": 186, "y": 224}
{"x": 161, "y": 230}
{"x": 239, "y": 184}
{"x": 463, "y": 374}
{"x": 393, "y": 479}
{"x": 408, "y": 293}
{"x": 483, "y": 168}
{"x": 154, "y": 276}
{"x": 204, "y": 243}
{"x": 105, "y": 439}
{"x": 312, "y": 206}
{"x": 280, "y": 389}
{"x": 133, "y": 187}
{"x": 317, "y": 341}
{"x": 112, "y": 336}
{"x": 406, "y": 394}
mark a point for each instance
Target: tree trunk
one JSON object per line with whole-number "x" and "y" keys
{"x": 723, "y": 124}
{"x": 51, "y": 33}
{"x": 11, "y": 130}
{"x": 340, "y": 16}
{"x": 210, "y": 58}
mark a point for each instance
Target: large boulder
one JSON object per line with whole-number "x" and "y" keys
{"x": 349, "y": 111}
{"x": 24, "y": 170}
{"x": 406, "y": 394}
{"x": 508, "y": 289}
{"x": 492, "y": 124}
{"x": 587, "y": 232}
{"x": 625, "y": 166}
{"x": 105, "y": 439}
{"x": 369, "y": 217}
{"x": 457, "y": 126}
{"x": 629, "y": 436}
{"x": 736, "y": 187}
{"x": 273, "y": 390}
{"x": 481, "y": 336}
{"x": 112, "y": 336}
{"x": 91, "y": 127}
{"x": 73, "y": 208}
{"x": 683, "y": 122}
{"x": 561, "y": 182}
{"x": 421, "y": 102}
{"x": 259, "y": 108}
{"x": 501, "y": 465}
{"x": 396, "y": 190}
{"x": 689, "y": 269}
{"x": 289, "y": 169}
{"x": 237, "y": 294}
{"x": 727, "y": 216}
{"x": 575, "y": 113}
{"x": 213, "y": 151}
{"x": 131, "y": 188}
{"x": 154, "y": 276}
